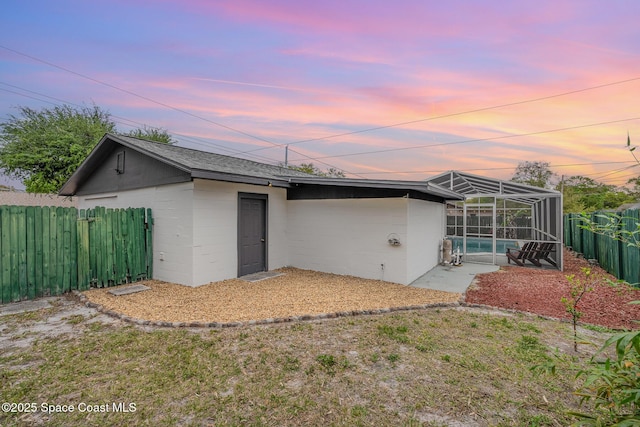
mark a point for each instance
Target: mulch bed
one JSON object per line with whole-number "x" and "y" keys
{"x": 294, "y": 293}
{"x": 538, "y": 291}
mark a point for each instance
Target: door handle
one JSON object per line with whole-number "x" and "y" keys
{"x": 262, "y": 240}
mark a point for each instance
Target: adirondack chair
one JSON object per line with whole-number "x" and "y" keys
{"x": 544, "y": 249}
{"x": 527, "y": 253}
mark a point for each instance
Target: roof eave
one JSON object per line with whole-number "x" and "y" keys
{"x": 243, "y": 179}
{"x": 419, "y": 186}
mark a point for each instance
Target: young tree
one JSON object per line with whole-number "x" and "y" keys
{"x": 536, "y": 174}
{"x": 44, "y": 147}
{"x": 611, "y": 385}
{"x": 578, "y": 288}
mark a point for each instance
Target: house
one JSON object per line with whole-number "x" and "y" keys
{"x": 219, "y": 217}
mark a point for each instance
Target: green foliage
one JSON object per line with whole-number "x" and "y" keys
{"x": 330, "y": 363}
{"x": 44, "y": 147}
{"x": 399, "y": 333}
{"x": 312, "y": 169}
{"x": 634, "y": 190}
{"x": 613, "y": 386}
{"x": 609, "y": 224}
{"x": 577, "y": 289}
{"x": 536, "y": 174}
{"x": 393, "y": 357}
{"x": 152, "y": 134}
{"x": 583, "y": 194}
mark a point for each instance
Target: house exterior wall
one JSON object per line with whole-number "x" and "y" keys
{"x": 425, "y": 230}
{"x": 215, "y": 216}
{"x": 349, "y": 236}
{"x": 172, "y": 210}
{"x": 196, "y": 237}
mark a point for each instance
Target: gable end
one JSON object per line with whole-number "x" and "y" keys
{"x": 139, "y": 171}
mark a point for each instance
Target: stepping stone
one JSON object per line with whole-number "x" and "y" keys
{"x": 255, "y": 277}
{"x": 128, "y": 290}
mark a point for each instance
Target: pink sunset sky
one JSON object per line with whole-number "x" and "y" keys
{"x": 379, "y": 89}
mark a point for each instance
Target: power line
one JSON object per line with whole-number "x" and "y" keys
{"x": 617, "y": 171}
{"x": 467, "y": 141}
{"x": 127, "y": 122}
{"x": 492, "y": 169}
{"x": 84, "y": 76}
{"x": 318, "y": 159}
{"x": 155, "y": 102}
{"x": 444, "y": 116}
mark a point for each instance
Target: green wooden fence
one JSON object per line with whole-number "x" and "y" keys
{"x": 616, "y": 257}
{"x": 52, "y": 250}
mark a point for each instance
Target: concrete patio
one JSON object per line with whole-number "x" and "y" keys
{"x": 452, "y": 278}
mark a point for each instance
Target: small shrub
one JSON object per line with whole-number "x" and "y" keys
{"x": 613, "y": 385}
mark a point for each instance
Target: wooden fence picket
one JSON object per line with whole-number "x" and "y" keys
{"x": 5, "y": 254}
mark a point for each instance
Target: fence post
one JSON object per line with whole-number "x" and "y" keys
{"x": 5, "y": 254}
{"x": 149, "y": 244}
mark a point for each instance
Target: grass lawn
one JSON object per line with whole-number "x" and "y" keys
{"x": 438, "y": 367}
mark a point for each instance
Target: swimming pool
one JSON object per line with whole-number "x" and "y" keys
{"x": 482, "y": 244}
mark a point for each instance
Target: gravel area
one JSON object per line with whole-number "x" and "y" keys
{"x": 540, "y": 291}
{"x": 295, "y": 293}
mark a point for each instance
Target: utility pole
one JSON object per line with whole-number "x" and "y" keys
{"x": 286, "y": 156}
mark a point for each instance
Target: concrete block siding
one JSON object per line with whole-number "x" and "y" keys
{"x": 195, "y": 233}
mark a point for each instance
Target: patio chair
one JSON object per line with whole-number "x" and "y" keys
{"x": 527, "y": 253}
{"x": 544, "y": 249}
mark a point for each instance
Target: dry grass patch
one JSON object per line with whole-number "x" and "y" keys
{"x": 295, "y": 293}
{"x": 439, "y": 367}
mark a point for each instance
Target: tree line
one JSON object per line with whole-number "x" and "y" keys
{"x": 580, "y": 193}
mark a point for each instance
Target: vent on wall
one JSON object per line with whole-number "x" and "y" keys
{"x": 120, "y": 163}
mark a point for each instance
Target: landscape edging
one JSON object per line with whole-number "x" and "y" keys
{"x": 305, "y": 317}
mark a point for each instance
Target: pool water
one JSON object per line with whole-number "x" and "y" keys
{"x": 482, "y": 245}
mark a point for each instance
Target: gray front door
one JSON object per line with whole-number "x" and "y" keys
{"x": 252, "y": 233}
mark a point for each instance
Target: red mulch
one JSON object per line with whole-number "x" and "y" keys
{"x": 540, "y": 291}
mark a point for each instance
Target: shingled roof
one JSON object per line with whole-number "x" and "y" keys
{"x": 206, "y": 165}
{"x": 195, "y": 160}
{"x": 199, "y": 164}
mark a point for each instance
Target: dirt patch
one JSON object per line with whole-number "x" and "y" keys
{"x": 539, "y": 291}
{"x": 57, "y": 317}
{"x": 295, "y": 293}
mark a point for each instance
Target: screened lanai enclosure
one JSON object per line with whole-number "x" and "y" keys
{"x": 500, "y": 215}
